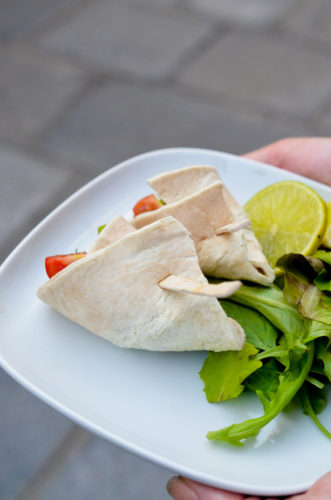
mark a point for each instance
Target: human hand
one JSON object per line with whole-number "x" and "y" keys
{"x": 308, "y": 156}
{"x": 184, "y": 489}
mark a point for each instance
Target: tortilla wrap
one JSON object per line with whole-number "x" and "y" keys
{"x": 114, "y": 292}
{"x": 197, "y": 197}
{"x": 114, "y": 230}
{"x": 175, "y": 185}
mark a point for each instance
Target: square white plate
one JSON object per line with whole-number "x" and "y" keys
{"x": 152, "y": 404}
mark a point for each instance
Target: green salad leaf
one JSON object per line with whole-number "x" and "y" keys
{"x": 265, "y": 379}
{"x": 313, "y": 402}
{"x": 271, "y": 303}
{"x": 324, "y": 256}
{"x": 224, "y": 372}
{"x": 287, "y": 357}
{"x": 290, "y": 382}
{"x": 298, "y": 273}
{"x": 259, "y": 331}
{"x": 316, "y": 305}
{"x": 323, "y": 354}
{"x": 323, "y": 281}
{"x": 316, "y": 329}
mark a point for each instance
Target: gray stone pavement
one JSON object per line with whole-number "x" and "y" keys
{"x": 87, "y": 83}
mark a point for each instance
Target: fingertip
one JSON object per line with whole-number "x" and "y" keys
{"x": 322, "y": 487}
{"x": 179, "y": 489}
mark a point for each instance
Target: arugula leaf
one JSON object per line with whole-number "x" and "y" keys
{"x": 316, "y": 329}
{"x": 315, "y": 382}
{"x": 317, "y": 397}
{"x": 259, "y": 331}
{"x": 290, "y": 382}
{"x": 280, "y": 352}
{"x": 224, "y": 372}
{"x": 265, "y": 379}
{"x": 323, "y": 354}
{"x": 313, "y": 402}
{"x": 317, "y": 367}
{"x": 323, "y": 281}
{"x": 301, "y": 311}
{"x": 324, "y": 256}
{"x": 271, "y": 303}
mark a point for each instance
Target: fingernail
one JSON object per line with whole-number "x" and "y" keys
{"x": 179, "y": 489}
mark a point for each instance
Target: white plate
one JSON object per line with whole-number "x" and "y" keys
{"x": 153, "y": 404}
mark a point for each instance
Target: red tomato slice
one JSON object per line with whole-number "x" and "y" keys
{"x": 147, "y": 204}
{"x": 56, "y": 263}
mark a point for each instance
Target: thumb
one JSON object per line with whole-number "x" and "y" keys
{"x": 307, "y": 156}
{"x": 181, "y": 488}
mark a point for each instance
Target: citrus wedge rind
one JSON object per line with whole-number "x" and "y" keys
{"x": 326, "y": 240}
{"x": 286, "y": 217}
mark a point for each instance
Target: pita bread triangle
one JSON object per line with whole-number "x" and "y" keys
{"x": 226, "y": 247}
{"x": 115, "y": 292}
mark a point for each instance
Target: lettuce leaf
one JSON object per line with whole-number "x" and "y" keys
{"x": 271, "y": 303}
{"x": 316, "y": 305}
{"x": 259, "y": 331}
{"x": 298, "y": 273}
{"x": 316, "y": 329}
{"x": 224, "y": 372}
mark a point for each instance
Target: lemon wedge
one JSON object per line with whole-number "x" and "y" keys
{"x": 287, "y": 217}
{"x": 326, "y": 241}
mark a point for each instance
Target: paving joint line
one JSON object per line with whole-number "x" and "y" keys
{"x": 296, "y": 40}
{"x": 73, "y": 442}
{"x": 238, "y": 105}
{"x": 66, "y": 107}
{"x": 54, "y": 21}
{"x": 86, "y": 66}
{"x": 40, "y": 154}
{"x": 216, "y": 33}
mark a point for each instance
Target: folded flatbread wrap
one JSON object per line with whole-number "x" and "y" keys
{"x": 197, "y": 197}
{"x": 114, "y": 230}
{"x": 114, "y": 292}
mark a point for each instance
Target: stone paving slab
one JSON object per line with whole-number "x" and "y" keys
{"x": 312, "y": 20}
{"x": 103, "y": 471}
{"x": 252, "y": 13}
{"x": 152, "y": 3}
{"x": 117, "y": 121}
{"x": 18, "y": 18}
{"x": 32, "y": 92}
{"x": 30, "y": 432}
{"x": 116, "y": 37}
{"x": 27, "y": 186}
{"x": 264, "y": 71}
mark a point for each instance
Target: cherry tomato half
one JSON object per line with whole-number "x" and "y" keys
{"x": 147, "y": 204}
{"x": 56, "y": 263}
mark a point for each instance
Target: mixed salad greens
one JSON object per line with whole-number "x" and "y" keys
{"x": 287, "y": 357}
